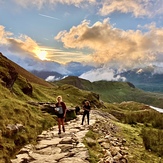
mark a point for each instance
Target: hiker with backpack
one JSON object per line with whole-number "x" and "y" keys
{"x": 87, "y": 109}
{"x": 61, "y": 113}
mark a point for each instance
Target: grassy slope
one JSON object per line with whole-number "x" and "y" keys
{"x": 139, "y": 117}
{"x": 14, "y": 108}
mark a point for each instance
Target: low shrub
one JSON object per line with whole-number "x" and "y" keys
{"x": 153, "y": 140}
{"x": 146, "y": 117}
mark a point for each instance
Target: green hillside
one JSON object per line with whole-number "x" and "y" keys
{"x": 21, "y": 93}
{"x": 113, "y": 91}
{"x": 19, "y": 90}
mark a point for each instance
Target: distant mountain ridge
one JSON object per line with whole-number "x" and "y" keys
{"x": 45, "y": 74}
{"x": 146, "y": 80}
{"x": 113, "y": 91}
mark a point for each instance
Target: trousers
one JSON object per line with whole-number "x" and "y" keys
{"x": 84, "y": 114}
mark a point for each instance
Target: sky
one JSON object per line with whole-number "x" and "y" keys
{"x": 103, "y": 35}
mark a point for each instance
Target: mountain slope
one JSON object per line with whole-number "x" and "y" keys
{"x": 112, "y": 91}
{"x": 45, "y": 74}
{"x": 20, "y": 96}
{"x": 145, "y": 79}
{"x": 8, "y": 65}
{"x": 18, "y": 108}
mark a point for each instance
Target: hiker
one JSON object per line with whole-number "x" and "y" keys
{"x": 87, "y": 109}
{"x": 62, "y": 109}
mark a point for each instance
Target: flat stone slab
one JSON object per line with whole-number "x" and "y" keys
{"x": 73, "y": 160}
{"x": 48, "y": 151}
{"x": 66, "y": 140}
{"x": 20, "y": 157}
{"x": 53, "y": 141}
{"x": 47, "y": 158}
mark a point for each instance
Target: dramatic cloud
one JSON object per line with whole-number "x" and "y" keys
{"x": 22, "y": 45}
{"x": 115, "y": 46}
{"x": 3, "y": 35}
{"x": 103, "y": 73}
{"x": 138, "y": 8}
{"x": 41, "y": 3}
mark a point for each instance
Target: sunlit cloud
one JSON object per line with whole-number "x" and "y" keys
{"x": 115, "y": 46}
{"x": 3, "y": 35}
{"x": 137, "y": 8}
{"x": 41, "y": 3}
{"x": 25, "y": 46}
{"x": 66, "y": 56}
{"x": 22, "y": 45}
{"x": 103, "y": 73}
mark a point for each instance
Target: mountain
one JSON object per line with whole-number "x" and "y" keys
{"x": 113, "y": 91}
{"x": 73, "y": 68}
{"x": 11, "y": 71}
{"x": 24, "y": 100}
{"x": 22, "y": 96}
{"x": 145, "y": 79}
{"x": 47, "y": 75}
{"x": 77, "y": 68}
{"x": 17, "y": 88}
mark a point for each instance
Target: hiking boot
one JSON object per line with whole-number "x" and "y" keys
{"x": 59, "y": 132}
{"x": 63, "y": 128}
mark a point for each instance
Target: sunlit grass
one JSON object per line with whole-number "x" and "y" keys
{"x": 134, "y": 141}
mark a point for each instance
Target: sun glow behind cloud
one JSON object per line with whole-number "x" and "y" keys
{"x": 107, "y": 44}
{"x": 42, "y": 54}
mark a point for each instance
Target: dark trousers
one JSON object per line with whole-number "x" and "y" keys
{"x": 84, "y": 114}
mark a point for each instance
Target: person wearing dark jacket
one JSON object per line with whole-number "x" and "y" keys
{"x": 62, "y": 109}
{"x": 87, "y": 109}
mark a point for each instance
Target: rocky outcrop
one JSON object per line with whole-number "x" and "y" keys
{"x": 48, "y": 107}
{"x": 12, "y": 129}
{"x": 27, "y": 88}
{"x": 69, "y": 146}
{"x": 9, "y": 77}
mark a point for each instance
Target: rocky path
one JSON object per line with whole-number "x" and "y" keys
{"x": 69, "y": 148}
